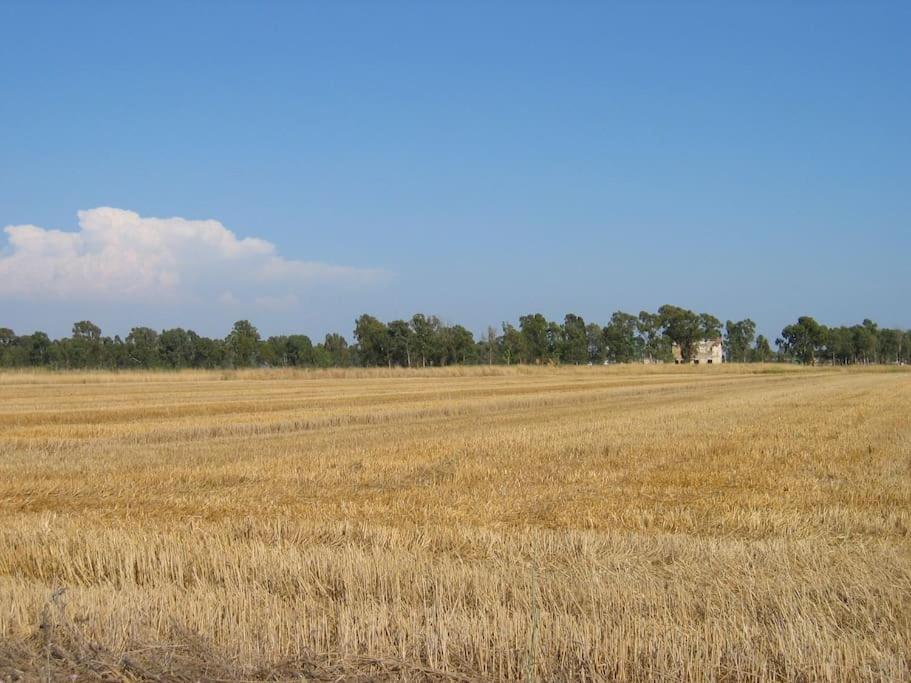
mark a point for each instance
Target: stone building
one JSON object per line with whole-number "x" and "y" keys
{"x": 706, "y": 352}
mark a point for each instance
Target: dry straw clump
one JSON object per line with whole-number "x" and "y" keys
{"x": 541, "y": 524}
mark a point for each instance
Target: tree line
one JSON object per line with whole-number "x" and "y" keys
{"x": 809, "y": 342}
{"x": 426, "y": 341}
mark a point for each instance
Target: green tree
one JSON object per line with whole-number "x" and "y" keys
{"x": 8, "y": 340}
{"x": 286, "y": 351}
{"x": 299, "y": 350}
{"x": 654, "y": 344}
{"x": 865, "y": 342}
{"x": 682, "y": 327}
{"x": 142, "y": 347}
{"x": 273, "y": 352}
{"x": 762, "y": 352}
{"x": 840, "y": 344}
{"x": 426, "y": 342}
{"x": 84, "y": 350}
{"x": 243, "y": 344}
{"x": 336, "y": 346}
{"x": 512, "y": 345}
{"x": 871, "y": 341}
{"x": 574, "y": 348}
{"x": 401, "y": 340}
{"x": 114, "y": 353}
{"x": 491, "y": 346}
{"x": 803, "y": 339}
{"x": 621, "y": 338}
{"x": 202, "y": 352}
{"x": 86, "y": 329}
{"x": 176, "y": 348}
{"x": 537, "y": 336}
{"x": 372, "y": 341}
{"x": 40, "y": 349}
{"x": 738, "y": 338}
{"x": 459, "y": 345}
{"x": 594, "y": 337}
{"x": 709, "y": 326}
{"x": 890, "y": 343}
{"x": 555, "y": 341}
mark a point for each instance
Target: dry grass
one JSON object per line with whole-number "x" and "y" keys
{"x": 588, "y": 523}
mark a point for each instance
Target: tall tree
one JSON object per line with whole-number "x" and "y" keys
{"x": 85, "y": 348}
{"x": 243, "y": 343}
{"x": 512, "y": 345}
{"x": 273, "y": 352}
{"x": 865, "y": 342}
{"x": 176, "y": 348}
{"x": 594, "y": 336}
{"x": 575, "y": 340}
{"x": 682, "y": 327}
{"x": 372, "y": 341}
{"x": 459, "y": 345}
{"x": 537, "y": 335}
{"x": 709, "y": 326}
{"x": 426, "y": 337}
{"x": 554, "y": 336}
{"x": 196, "y": 350}
{"x": 40, "y": 349}
{"x": 890, "y": 343}
{"x": 621, "y": 339}
{"x": 654, "y": 344}
{"x": 762, "y": 352}
{"x": 142, "y": 347}
{"x": 840, "y": 345}
{"x": 7, "y": 337}
{"x": 337, "y": 348}
{"x": 803, "y": 339}
{"x": 401, "y": 339}
{"x": 299, "y": 350}
{"x": 8, "y": 340}
{"x": 738, "y": 338}
{"x": 492, "y": 346}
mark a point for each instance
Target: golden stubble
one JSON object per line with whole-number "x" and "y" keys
{"x": 535, "y": 523}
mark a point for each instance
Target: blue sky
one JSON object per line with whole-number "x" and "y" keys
{"x": 473, "y": 160}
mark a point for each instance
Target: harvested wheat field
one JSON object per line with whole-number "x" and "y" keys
{"x": 724, "y": 523}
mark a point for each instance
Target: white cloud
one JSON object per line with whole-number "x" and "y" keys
{"x": 118, "y": 255}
